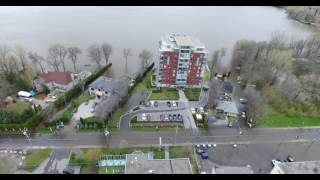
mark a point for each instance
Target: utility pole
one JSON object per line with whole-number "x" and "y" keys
{"x": 25, "y": 133}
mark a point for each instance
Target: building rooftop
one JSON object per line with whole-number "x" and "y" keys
{"x": 62, "y": 78}
{"x": 108, "y": 84}
{"x": 227, "y": 106}
{"x": 176, "y": 41}
{"x": 139, "y": 163}
{"x": 305, "y": 167}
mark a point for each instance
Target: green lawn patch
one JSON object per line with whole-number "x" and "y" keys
{"x": 232, "y": 119}
{"x": 112, "y": 170}
{"x": 143, "y": 85}
{"x": 184, "y": 152}
{"x": 192, "y": 94}
{"x": 35, "y": 158}
{"x": 274, "y": 118}
{"x": 115, "y": 119}
{"x": 89, "y": 169}
{"x": 17, "y": 107}
{"x": 206, "y": 77}
{"x": 98, "y": 130}
{"x": 164, "y": 94}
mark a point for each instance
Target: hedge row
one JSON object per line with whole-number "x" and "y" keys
{"x": 76, "y": 90}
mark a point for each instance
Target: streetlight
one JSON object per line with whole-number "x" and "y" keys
{"x": 107, "y": 133}
{"x": 25, "y": 133}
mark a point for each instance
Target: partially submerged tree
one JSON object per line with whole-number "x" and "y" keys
{"x": 37, "y": 60}
{"x": 74, "y": 52}
{"x": 126, "y": 54}
{"x": 95, "y": 54}
{"x": 107, "y": 51}
{"x": 145, "y": 57}
{"x": 53, "y": 57}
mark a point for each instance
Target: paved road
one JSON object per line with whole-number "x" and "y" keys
{"x": 121, "y": 139}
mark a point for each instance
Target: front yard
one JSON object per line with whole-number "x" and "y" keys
{"x": 274, "y": 118}
{"x": 35, "y": 158}
{"x": 164, "y": 94}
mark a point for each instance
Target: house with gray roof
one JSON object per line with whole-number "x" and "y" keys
{"x": 228, "y": 107}
{"x": 104, "y": 86}
{"x": 302, "y": 167}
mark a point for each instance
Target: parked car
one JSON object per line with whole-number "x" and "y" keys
{"x": 86, "y": 103}
{"x": 243, "y": 101}
{"x": 161, "y": 117}
{"x": 168, "y": 103}
{"x": 92, "y": 110}
{"x": 230, "y": 124}
{"x": 166, "y": 118}
{"x": 170, "y": 117}
{"x": 179, "y": 117}
{"x": 27, "y": 99}
{"x": 200, "y": 151}
{"x": 243, "y": 114}
{"x": 174, "y": 104}
{"x": 155, "y": 103}
{"x": 204, "y": 155}
{"x": 290, "y": 158}
{"x": 49, "y": 100}
{"x": 174, "y": 117}
{"x": 148, "y": 117}
{"x": 68, "y": 171}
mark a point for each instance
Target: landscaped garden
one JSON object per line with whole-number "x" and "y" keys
{"x": 192, "y": 94}
{"x": 164, "y": 94}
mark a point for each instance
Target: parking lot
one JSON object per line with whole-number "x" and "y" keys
{"x": 161, "y": 117}
{"x": 163, "y": 104}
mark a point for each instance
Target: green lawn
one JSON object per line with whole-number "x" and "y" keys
{"x": 142, "y": 86}
{"x": 17, "y": 107}
{"x": 274, "y": 118}
{"x": 91, "y": 155}
{"x": 192, "y": 94}
{"x": 184, "y": 152}
{"x": 165, "y": 94}
{"x": 113, "y": 124}
{"x": 112, "y": 170}
{"x": 35, "y": 158}
{"x": 206, "y": 77}
{"x": 89, "y": 169}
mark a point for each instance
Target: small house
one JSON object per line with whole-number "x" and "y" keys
{"x": 228, "y": 107}
{"x": 54, "y": 80}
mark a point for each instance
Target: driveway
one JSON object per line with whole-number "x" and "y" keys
{"x": 84, "y": 111}
{"x": 57, "y": 161}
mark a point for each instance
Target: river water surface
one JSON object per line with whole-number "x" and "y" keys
{"x": 140, "y": 27}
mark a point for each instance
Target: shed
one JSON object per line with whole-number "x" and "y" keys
{"x": 228, "y": 107}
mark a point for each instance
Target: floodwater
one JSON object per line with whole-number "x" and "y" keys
{"x": 139, "y": 28}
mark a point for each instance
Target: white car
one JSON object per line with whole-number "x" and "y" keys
{"x": 28, "y": 99}
{"x": 274, "y": 162}
{"x": 209, "y": 145}
{"x": 174, "y": 104}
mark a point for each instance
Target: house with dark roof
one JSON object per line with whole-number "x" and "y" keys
{"x": 55, "y": 80}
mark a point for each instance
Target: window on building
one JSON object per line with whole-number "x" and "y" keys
{"x": 168, "y": 60}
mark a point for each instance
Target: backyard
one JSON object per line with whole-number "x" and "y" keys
{"x": 164, "y": 94}
{"x": 274, "y": 118}
{"x": 35, "y": 158}
{"x": 17, "y": 107}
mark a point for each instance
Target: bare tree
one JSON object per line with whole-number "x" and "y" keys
{"x": 61, "y": 53}
{"x": 21, "y": 53}
{"x": 145, "y": 56}
{"x": 107, "y": 51}
{"x": 95, "y": 54}
{"x": 255, "y": 102}
{"x": 215, "y": 91}
{"x": 4, "y": 55}
{"x": 214, "y": 63}
{"x": 74, "y": 52}
{"x": 36, "y": 59}
{"x": 126, "y": 54}
{"x": 53, "y": 57}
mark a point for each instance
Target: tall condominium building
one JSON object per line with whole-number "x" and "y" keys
{"x": 182, "y": 61}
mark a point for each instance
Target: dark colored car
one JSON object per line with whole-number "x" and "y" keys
{"x": 156, "y": 104}
{"x": 170, "y": 117}
{"x": 290, "y": 159}
{"x": 68, "y": 171}
{"x": 179, "y": 117}
{"x": 200, "y": 151}
{"x": 168, "y": 103}
{"x": 148, "y": 117}
{"x": 174, "y": 117}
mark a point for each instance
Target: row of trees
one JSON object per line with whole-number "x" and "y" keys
{"x": 272, "y": 68}
{"x": 305, "y": 13}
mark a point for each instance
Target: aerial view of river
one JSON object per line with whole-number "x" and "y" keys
{"x": 36, "y": 28}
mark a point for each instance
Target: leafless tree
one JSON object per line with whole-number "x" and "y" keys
{"x": 21, "y": 53}
{"x": 95, "y": 54}
{"x": 53, "y": 57}
{"x": 107, "y": 51}
{"x": 145, "y": 56}
{"x": 126, "y": 54}
{"x": 255, "y": 102}
{"x": 215, "y": 91}
{"x": 13, "y": 64}
{"x": 4, "y": 55}
{"x": 36, "y": 59}
{"x": 214, "y": 63}
{"x": 74, "y": 52}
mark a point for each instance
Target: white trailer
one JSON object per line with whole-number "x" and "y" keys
{"x": 24, "y": 94}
